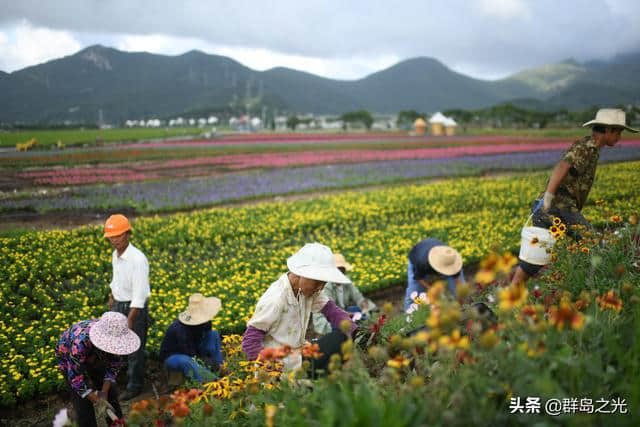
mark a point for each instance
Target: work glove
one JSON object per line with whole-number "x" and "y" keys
{"x": 546, "y": 200}
{"x": 104, "y": 411}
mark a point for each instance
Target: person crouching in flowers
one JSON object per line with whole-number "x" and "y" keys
{"x": 346, "y": 296}
{"x": 90, "y": 354}
{"x": 282, "y": 314}
{"x": 431, "y": 260}
{"x": 570, "y": 182}
{"x": 191, "y": 336}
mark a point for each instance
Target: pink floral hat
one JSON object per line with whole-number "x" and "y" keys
{"x": 112, "y": 334}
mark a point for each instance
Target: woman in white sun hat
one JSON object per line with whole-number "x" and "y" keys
{"x": 191, "y": 336}
{"x": 90, "y": 354}
{"x": 282, "y": 314}
{"x": 570, "y": 182}
{"x": 431, "y": 260}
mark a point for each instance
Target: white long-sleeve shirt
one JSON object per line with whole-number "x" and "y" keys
{"x": 130, "y": 277}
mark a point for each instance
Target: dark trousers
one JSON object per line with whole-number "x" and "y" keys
{"x": 329, "y": 344}
{"x": 543, "y": 220}
{"x": 85, "y": 415}
{"x": 135, "y": 361}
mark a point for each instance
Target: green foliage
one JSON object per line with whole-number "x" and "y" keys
{"x": 360, "y": 116}
{"x": 70, "y": 137}
{"x": 293, "y": 122}
{"x": 407, "y": 117}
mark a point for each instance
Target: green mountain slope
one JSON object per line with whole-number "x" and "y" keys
{"x": 101, "y": 82}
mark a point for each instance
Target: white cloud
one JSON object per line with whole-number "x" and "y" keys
{"x": 23, "y": 45}
{"x": 504, "y": 9}
{"x": 259, "y": 58}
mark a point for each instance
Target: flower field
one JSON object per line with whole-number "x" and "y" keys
{"x": 204, "y": 165}
{"x": 167, "y": 195}
{"x": 49, "y": 280}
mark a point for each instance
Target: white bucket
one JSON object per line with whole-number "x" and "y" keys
{"x": 536, "y": 244}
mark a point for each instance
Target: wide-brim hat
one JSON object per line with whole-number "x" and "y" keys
{"x": 610, "y": 117}
{"x": 111, "y": 333}
{"x": 341, "y": 262}
{"x": 445, "y": 260}
{"x": 315, "y": 261}
{"x": 200, "y": 310}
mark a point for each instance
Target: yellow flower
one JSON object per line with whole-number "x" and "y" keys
{"x": 455, "y": 340}
{"x": 484, "y": 277}
{"x": 512, "y": 296}
{"x": 398, "y": 362}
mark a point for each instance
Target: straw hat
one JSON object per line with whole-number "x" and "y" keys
{"x": 112, "y": 334}
{"x": 315, "y": 261}
{"x": 445, "y": 260}
{"x": 610, "y": 117}
{"x": 200, "y": 310}
{"x": 341, "y": 262}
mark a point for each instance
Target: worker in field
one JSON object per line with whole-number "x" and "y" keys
{"x": 89, "y": 354}
{"x": 129, "y": 294}
{"x": 431, "y": 260}
{"x": 282, "y": 314}
{"x": 571, "y": 179}
{"x": 190, "y": 346}
{"x": 346, "y": 296}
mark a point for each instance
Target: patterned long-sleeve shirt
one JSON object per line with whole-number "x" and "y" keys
{"x": 77, "y": 355}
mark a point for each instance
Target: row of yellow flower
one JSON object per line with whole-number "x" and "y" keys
{"x": 49, "y": 280}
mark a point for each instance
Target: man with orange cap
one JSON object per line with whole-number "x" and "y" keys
{"x": 129, "y": 293}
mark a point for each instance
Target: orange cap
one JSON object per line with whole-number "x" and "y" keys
{"x": 116, "y": 225}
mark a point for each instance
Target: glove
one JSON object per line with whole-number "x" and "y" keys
{"x": 104, "y": 410}
{"x": 546, "y": 200}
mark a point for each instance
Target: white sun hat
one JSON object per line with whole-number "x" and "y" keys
{"x": 316, "y": 261}
{"x": 610, "y": 117}
{"x": 112, "y": 334}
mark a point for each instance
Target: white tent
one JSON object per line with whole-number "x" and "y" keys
{"x": 438, "y": 118}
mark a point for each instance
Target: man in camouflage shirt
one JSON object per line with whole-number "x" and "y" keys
{"x": 571, "y": 180}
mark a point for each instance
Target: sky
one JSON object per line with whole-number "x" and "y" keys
{"x": 487, "y": 39}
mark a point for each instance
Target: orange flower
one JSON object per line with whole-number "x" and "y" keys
{"x": 434, "y": 292}
{"x": 530, "y": 312}
{"x": 610, "y": 301}
{"x": 616, "y": 218}
{"x": 585, "y": 250}
{"x": 311, "y": 351}
{"x": 566, "y": 314}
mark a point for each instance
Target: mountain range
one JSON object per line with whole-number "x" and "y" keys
{"x": 103, "y": 84}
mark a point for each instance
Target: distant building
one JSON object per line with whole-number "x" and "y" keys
{"x": 437, "y": 122}
{"x": 450, "y": 126}
{"x": 420, "y": 126}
